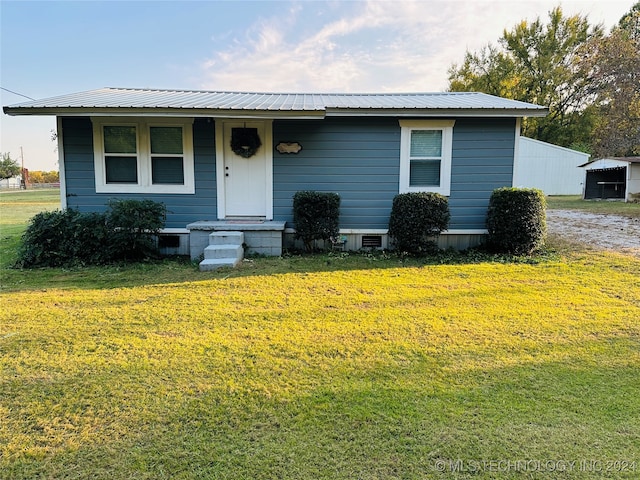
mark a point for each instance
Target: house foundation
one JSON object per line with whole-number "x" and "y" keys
{"x": 262, "y": 237}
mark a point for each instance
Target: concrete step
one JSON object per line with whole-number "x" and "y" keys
{"x": 214, "y": 263}
{"x": 226, "y": 238}
{"x": 224, "y": 251}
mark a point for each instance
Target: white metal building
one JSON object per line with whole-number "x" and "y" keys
{"x": 554, "y": 170}
{"x": 13, "y": 182}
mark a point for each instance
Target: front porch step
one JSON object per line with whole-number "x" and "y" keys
{"x": 209, "y": 264}
{"x": 225, "y": 249}
{"x": 263, "y": 238}
{"x": 226, "y": 238}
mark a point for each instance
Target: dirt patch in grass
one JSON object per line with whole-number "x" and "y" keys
{"x": 609, "y": 232}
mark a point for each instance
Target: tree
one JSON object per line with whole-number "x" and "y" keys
{"x": 612, "y": 65}
{"x": 8, "y": 167}
{"x": 630, "y": 22}
{"x": 490, "y": 71}
{"x": 537, "y": 63}
{"x": 36, "y": 176}
{"x": 51, "y": 176}
{"x": 40, "y": 176}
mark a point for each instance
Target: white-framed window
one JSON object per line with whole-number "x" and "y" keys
{"x": 425, "y": 156}
{"x": 152, "y": 155}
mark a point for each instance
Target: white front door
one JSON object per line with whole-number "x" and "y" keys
{"x": 247, "y": 182}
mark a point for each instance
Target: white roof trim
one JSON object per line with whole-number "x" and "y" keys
{"x": 553, "y": 146}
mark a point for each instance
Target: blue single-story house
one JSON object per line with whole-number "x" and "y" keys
{"x": 230, "y": 161}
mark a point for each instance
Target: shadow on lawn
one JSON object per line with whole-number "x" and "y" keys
{"x": 181, "y": 269}
{"x": 396, "y": 421}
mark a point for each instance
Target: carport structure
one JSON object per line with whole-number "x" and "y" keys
{"x": 612, "y": 178}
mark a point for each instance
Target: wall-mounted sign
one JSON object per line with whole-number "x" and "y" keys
{"x": 288, "y": 147}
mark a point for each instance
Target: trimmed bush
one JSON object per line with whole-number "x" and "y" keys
{"x": 416, "y": 218}
{"x": 64, "y": 238}
{"x": 132, "y": 224}
{"x": 516, "y": 220}
{"x": 316, "y": 216}
{"x": 89, "y": 235}
{"x": 68, "y": 238}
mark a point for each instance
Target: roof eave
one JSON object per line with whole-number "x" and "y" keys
{"x": 276, "y": 114}
{"x": 160, "y": 112}
{"x": 438, "y": 112}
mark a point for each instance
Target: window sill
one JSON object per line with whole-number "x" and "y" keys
{"x": 441, "y": 190}
{"x": 149, "y": 189}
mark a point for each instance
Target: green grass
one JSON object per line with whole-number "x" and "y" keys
{"x": 575, "y": 202}
{"x": 345, "y": 366}
{"x": 16, "y": 207}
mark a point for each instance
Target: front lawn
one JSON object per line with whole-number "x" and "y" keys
{"x": 16, "y": 207}
{"x": 345, "y": 366}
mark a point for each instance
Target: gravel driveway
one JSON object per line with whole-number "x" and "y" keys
{"x": 609, "y": 232}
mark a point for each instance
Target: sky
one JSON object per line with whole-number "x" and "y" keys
{"x": 50, "y": 48}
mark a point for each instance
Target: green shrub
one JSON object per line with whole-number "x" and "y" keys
{"x": 316, "y": 216}
{"x": 63, "y": 238}
{"x": 516, "y": 220}
{"x": 89, "y": 236}
{"x": 43, "y": 242}
{"x": 132, "y": 224}
{"x": 68, "y": 238}
{"x": 416, "y": 218}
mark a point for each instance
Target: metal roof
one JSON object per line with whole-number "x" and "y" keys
{"x": 129, "y": 101}
{"x": 611, "y": 162}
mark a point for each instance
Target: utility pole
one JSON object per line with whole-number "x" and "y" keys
{"x": 24, "y": 174}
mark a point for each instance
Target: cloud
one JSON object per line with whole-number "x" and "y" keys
{"x": 366, "y": 46}
{"x": 363, "y": 46}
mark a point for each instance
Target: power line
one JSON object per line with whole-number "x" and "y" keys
{"x": 16, "y": 93}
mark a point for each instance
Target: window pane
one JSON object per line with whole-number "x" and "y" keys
{"x": 424, "y": 173}
{"x": 121, "y": 169}
{"x": 426, "y": 143}
{"x": 167, "y": 170}
{"x": 119, "y": 139}
{"x": 167, "y": 140}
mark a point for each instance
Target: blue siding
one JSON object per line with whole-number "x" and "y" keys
{"x": 358, "y": 158}
{"x": 182, "y": 209}
{"x": 482, "y": 160}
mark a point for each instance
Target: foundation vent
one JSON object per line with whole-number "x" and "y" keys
{"x": 371, "y": 241}
{"x": 168, "y": 241}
